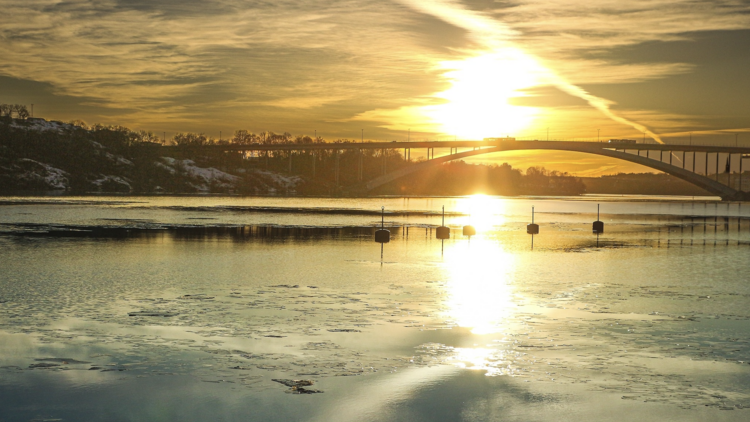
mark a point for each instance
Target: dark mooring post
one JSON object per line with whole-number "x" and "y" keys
{"x": 598, "y": 227}
{"x": 382, "y": 236}
{"x": 443, "y": 232}
{"x": 532, "y": 228}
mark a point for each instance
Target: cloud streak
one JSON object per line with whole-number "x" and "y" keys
{"x": 497, "y": 36}
{"x": 302, "y": 64}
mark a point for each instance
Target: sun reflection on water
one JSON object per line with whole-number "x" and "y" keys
{"x": 478, "y": 288}
{"x": 484, "y": 212}
{"x": 479, "y": 293}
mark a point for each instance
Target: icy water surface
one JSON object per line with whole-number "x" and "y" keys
{"x": 268, "y": 309}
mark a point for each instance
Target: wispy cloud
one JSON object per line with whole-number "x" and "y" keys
{"x": 295, "y": 63}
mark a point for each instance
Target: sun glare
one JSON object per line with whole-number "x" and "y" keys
{"x": 477, "y": 103}
{"x": 479, "y": 295}
{"x": 483, "y": 211}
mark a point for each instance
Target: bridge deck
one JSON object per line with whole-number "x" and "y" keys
{"x": 505, "y": 145}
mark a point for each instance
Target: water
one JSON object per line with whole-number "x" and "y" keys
{"x": 188, "y": 308}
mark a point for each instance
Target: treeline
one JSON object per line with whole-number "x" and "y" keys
{"x": 460, "y": 178}
{"x": 87, "y": 152}
{"x": 642, "y": 184}
{"x": 8, "y": 110}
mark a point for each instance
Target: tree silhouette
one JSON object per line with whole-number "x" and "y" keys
{"x": 21, "y": 111}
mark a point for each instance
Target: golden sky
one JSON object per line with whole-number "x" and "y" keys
{"x": 570, "y": 69}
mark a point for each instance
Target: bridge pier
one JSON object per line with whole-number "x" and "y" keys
{"x": 359, "y": 165}
{"x": 336, "y": 170}
{"x": 726, "y": 190}
{"x": 706, "y": 173}
{"x": 385, "y": 162}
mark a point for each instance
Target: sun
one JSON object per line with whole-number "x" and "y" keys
{"x": 477, "y": 103}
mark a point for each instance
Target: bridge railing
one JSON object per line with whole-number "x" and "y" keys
{"x": 648, "y": 141}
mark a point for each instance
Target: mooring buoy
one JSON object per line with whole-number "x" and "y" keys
{"x": 532, "y": 228}
{"x": 598, "y": 227}
{"x": 382, "y": 236}
{"x": 443, "y": 232}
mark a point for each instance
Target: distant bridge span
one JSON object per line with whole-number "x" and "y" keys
{"x": 624, "y": 151}
{"x": 604, "y": 149}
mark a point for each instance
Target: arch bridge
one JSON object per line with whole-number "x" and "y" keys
{"x": 691, "y": 163}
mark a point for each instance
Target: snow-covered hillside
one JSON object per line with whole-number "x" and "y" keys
{"x": 40, "y": 155}
{"x": 202, "y": 179}
{"x": 29, "y": 174}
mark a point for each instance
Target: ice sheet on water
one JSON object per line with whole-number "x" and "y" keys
{"x": 248, "y": 336}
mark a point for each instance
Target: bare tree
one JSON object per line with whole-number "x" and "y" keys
{"x": 81, "y": 124}
{"x": 21, "y": 111}
{"x": 144, "y": 136}
{"x": 190, "y": 139}
{"x": 243, "y": 137}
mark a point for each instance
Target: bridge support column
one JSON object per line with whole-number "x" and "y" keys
{"x": 359, "y": 165}
{"x": 290, "y": 161}
{"x": 384, "y": 161}
{"x": 706, "y": 173}
{"x": 717, "y": 166}
{"x": 336, "y": 170}
{"x": 312, "y": 154}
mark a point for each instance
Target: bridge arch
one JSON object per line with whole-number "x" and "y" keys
{"x": 712, "y": 186}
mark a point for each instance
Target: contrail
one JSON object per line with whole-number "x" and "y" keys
{"x": 496, "y": 35}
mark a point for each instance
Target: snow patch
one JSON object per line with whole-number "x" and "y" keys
{"x": 110, "y": 183}
{"x": 54, "y": 178}
{"x": 206, "y": 178}
{"x": 41, "y": 125}
{"x": 283, "y": 181}
{"x": 119, "y": 159}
